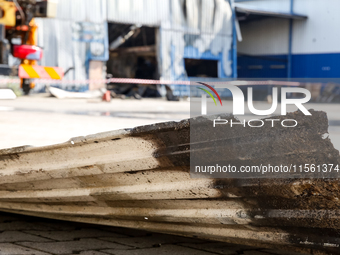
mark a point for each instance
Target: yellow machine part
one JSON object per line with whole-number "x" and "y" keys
{"x": 8, "y": 13}
{"x": 31, "y": 40}
{"x": 33, "y": 33}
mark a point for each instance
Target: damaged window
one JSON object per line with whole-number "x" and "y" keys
{"x": 201, "y": 68}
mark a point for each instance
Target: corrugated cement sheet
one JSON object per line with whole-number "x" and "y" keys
{"x": 83, "y": 10}
{"x": 145, "y": 12}
{"x": 140, "y": 178}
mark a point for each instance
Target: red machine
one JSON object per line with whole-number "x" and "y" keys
{"x": 30, "y": 52}
{"x": 18, "y": 36}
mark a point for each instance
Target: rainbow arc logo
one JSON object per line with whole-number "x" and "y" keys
{"x": 209, "y": 93}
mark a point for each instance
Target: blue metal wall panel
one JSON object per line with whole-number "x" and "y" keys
{"x": 316, "y": 65}
{"x": 250, "y": 67}
{"x": 193, "y": 53}
{"x": 303, "y": 66}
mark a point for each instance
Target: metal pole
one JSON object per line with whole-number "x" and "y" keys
{"x": 234, "y": 46}
{"x": 289, "y": 61}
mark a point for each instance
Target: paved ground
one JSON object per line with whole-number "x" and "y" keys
{"x": 40, "y": 120}
{"x": 37, "y": 120}
{"x": 29, "y": 235}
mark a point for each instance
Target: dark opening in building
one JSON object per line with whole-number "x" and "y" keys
{"x": 132, "y": 49}
{"x": 201, "y": 68}
{"x": 132, "y": 55}
{"x": 134, "y": 35}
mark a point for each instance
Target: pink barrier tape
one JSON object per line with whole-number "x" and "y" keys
{"x": 168, "y": 82}
{"x": 146, "y": 81}
{"x": 5, "y": 81}
{"x": 112, "y": 80}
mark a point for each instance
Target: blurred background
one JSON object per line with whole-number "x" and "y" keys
{"x": 72, "y": 68}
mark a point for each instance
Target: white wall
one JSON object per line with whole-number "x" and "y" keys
{"x": 268, "y": 36}
{"x": 264, "y": 37}
{"x": 320, "y": 33}
{"x": 268, "y": 5}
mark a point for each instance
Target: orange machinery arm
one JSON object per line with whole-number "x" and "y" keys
{"x": 32, "y": 39}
